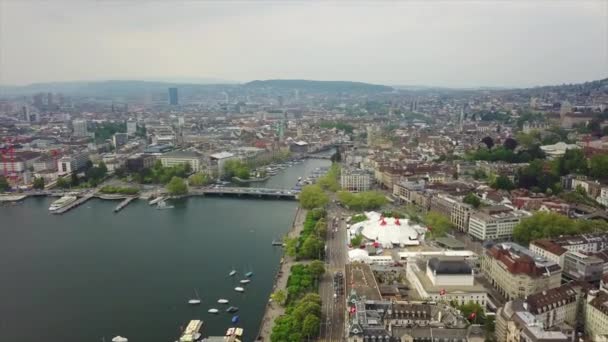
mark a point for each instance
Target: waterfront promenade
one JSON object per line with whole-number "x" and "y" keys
{"x": 274, "y": 310}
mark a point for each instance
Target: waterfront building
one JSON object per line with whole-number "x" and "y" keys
{"x": 218, "y": 160}
{"x": 494, "y": 223}
{"x": 79, "y": 128}
{"x": 516, "y": 272}
{"x": 445, "y": 279}
{"x": 174, "y": 158}
{"x": 140, "y": 161}
{"x": 22, "y": 161}
{"x": 72, "y": 163}
{"x": 355, "y": 180}
{"x": 173, "y": 99}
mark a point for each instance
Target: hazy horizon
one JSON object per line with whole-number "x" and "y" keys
{"x": 436, "y": 44}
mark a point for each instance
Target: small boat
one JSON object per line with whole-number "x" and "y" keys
{"x": 232, "y": 273}
{"x": 245, "y": 281}
{"x": 156, "y": 200}
{"x": 213, "y": 311}
{"x": 120, "y": 339}
{"x": 196, "y": 300}
{"x": 222, "y": 301}
{"x": 249, "y": 274}
{"x": 299, "y": 179}
{"x": 239, "y": 289}
{"x": 163, "y": 205}
{"x": 232, "y": 309}
{"x": 235, "y": 319}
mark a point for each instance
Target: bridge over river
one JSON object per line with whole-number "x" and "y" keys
{"x": 253, "y": 192}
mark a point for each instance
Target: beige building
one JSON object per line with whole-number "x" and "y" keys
{"x": 494, "y": 223}
{"x": 458, "y": 212}
{"x": 182, "y": 157}
{"x": 516, "y": 272}
{"x": 596, "y": 315}
{"x": 355, "y": 180}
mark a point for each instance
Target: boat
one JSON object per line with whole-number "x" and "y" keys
{"x": 62, "y": 202}
{"x": 235, "y": 319}
{"x": 245, "y": 281}
{"x": 222, "y": 301}
{"x": 299, "y": 179}
{"x": 232, "y": 309}
{"x": 120, "y": 339}
{"x": 232, "y": 273}
{"x": 156, "y": 200}
{"x": 249, "y": 274}
{"x": 239, "y": 289}
{"x": 163, "y": 205}
{"x": 213, "y": 311}
{"x": 196, "y": 300}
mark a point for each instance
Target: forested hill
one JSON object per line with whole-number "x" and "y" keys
{"x": 320, "y": 86}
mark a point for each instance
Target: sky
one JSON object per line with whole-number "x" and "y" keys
{"x": 435, "y": 43}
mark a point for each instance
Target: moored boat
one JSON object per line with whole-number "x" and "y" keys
{"x": 245, "y": 281}
{"x": 196, "y": 300}
{"x": 239, "y": 289}
{"x": 213, "y": 311}
{"x": 232, "y": 309}
{"x": 232, "y": 273}
{"x": 222, "y": 301}
{"x": 249, "y": 274}
{"x": 63, "y": 202}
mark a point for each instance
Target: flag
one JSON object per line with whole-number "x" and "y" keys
{"x": 472, "y": 316}
{"x": 352, "y": 309}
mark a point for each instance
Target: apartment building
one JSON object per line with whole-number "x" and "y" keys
{"x": 494, "y": 223}
{"x": 355, "y": 180}
{"x": 404, "y": 189}
{"x": 596, "y": 316}
{"x": 457, "y": 211}
{"x": 516, "y": 272}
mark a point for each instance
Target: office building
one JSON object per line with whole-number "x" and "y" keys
{"x": 173, "y": 99}
{"x": 174, "y": 158}
{"x": 458, "y": 212}
{"x": 355, "y": 180}
{"x": 120, "y": 139}
{"x": 72, "y": 163}
{"x": 494, "y": 223}
{"x": 131, "y": 127}
{"x": 79, "y": 128}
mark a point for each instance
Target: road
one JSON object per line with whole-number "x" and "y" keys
{"x": 334, "y": 310}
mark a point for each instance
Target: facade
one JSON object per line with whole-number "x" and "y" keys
{"x": 516, "y": 272}
{"x": 458, "y": 212}
{"x": 218, "y": 160}
{"x": 403, "y": 190}
{"x": 449, "y": 279}
{"x": 578, "y": 266}
{"x": 131, "y": 127}
{"x": 139, "y": 162}
{"x": 596, "y": 316}
{"x": 182, "y": 157}
{"x": 120, "y": 139}
{"x": 72, "y": 163}
{"x": 494, "y": 223}
{"x": 173, "y": 99}
{"x": 79, "y": 128}
{"x": 355, "y": 180}
{"x": 515, "y": 324}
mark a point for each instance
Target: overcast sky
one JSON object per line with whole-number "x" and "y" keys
{"x": 451, "y": 43}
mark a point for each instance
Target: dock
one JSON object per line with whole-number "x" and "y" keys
{"x": 73, "y": 204}
{"x": 124, "y": 203}
{"x": 12, "y": 198}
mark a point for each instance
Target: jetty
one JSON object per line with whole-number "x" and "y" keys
{"x": 73, "y": 204}
{"x": 124, "y": 203}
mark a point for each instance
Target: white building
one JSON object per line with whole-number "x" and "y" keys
{"x": 131, "y": 127}
{"x": 558, "y": 150}
{"x": 388, "y": 232}
{"x": 80, "y": 128}
{"x": 355, "y": 180}
{"x": 603, "y": 197}
{"x": 72, "y": 163}
{"x": 182, "y": 157}
{"x": 494, "y": 225}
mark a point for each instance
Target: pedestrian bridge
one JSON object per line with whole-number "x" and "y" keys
{"x": 252, "y": 192}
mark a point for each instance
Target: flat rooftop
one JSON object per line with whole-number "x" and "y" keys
{"x": 361, "y": 278}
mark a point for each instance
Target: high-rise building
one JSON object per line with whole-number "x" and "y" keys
{"x": 131, "y": 127}
{"x": 173, "y": 100}
{"x": 120, "y": 139}
{"x": 79, "y": 128}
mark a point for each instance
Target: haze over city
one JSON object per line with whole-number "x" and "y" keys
{"x": 437, "y": 43}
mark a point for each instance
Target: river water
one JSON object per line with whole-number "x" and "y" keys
{"x": 90, "y": 273}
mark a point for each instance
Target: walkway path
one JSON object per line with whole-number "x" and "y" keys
{"x": 274, "y": 310}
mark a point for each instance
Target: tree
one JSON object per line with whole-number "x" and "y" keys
{"x": 598, "y": 167}
{"x": 291, "y": 245}
{"x": 38, "y": 183}
{"x": 199, "y": 179}
{"x": 74, "y": 179}
{"x": 510, "y": 144}
{"x": 356, "y": 240}
{"x": 177, "y": 186}
{"x": 488, "y": 141}
{"x": 573, "y": 161}
{"x": 279, "y": 297}
{"x": 503, "y": 183}
{"x": 62, "y": 183}
{"x": 312, "y": 196}
{"x": 472, "y": 199}
{"x": 4, "y": 186}
{"x": 362, "y": 201}
{"x": 437, "y": 224}
{"x": 311, "y": 248}
{"x": 543, "y": 225}
{"x": 103, "y": 168}
{"x": 317, "y": 268}
{"x": 310, "y": 326}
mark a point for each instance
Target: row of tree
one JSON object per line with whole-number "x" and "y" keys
{"x": 549, "y": 224}
{"x": 310, "y": 243}
{"x": 108, "y": 189}
{"x": 367, "y": 200}
{"x": 301, "y": 322}
{"x": 158, "y": 174}
{"x": 236, "y": 168}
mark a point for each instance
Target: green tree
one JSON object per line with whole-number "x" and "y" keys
{"x": 291, "y": 246}
{"x": 317, "y": 268}
{"x": 279, "y": 297}
{"x": 199, "y": 179}
{"x": 311, "y": 248}
{"x": 4, "y": 186}
{"x": 38, "y": 183}
{"x": 74, "y": 181}
{"x": 356, "y": 240}
{"x": 599, "y": 166}
{"x": 573, "y": 161}
{"x": 62, "y": 183}
{"x": 438, "y": 224}
{"x": 503, "y": 183}
{"x": 310, "y": 326}
{"x": 472, "y": 199}
{"x": 312, "y": 196}
{"x": 543, "y": 225}
{"x": 362, "y": 201}
{"x": 177, "y": 186}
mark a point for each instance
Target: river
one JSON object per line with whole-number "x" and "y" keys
{"x": 90, "y": 273}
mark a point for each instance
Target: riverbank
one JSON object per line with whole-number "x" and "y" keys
{"x": 274, "y": 310}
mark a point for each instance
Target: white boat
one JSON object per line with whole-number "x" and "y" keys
{"x": 299, "y": 179}
{"x": 245, "y": 281}
{"x": 62, "y": 202}
{"x": 156, "y": 200}
{"x": 213, "y": 311}
{"x": 163, "y": 205}
{"x": 120, "y": 339}
{"x": 239, "y": 289}
{"x": 196, "y": 300}
{"x": 232, "y": 273}
{"x": 222, "y": 301}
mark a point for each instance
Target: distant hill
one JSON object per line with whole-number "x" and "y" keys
{"x": 319, "y": 86}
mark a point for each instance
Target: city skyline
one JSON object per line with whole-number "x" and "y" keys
{"x": 464, "y": 44}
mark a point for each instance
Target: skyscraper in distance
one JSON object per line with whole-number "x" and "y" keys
{"x": 173, "y": 97}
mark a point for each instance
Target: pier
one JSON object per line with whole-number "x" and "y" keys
{"x": 73, "y": 204}
{"x": 253, "y": 192}
{"x": 124, "y": 203}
